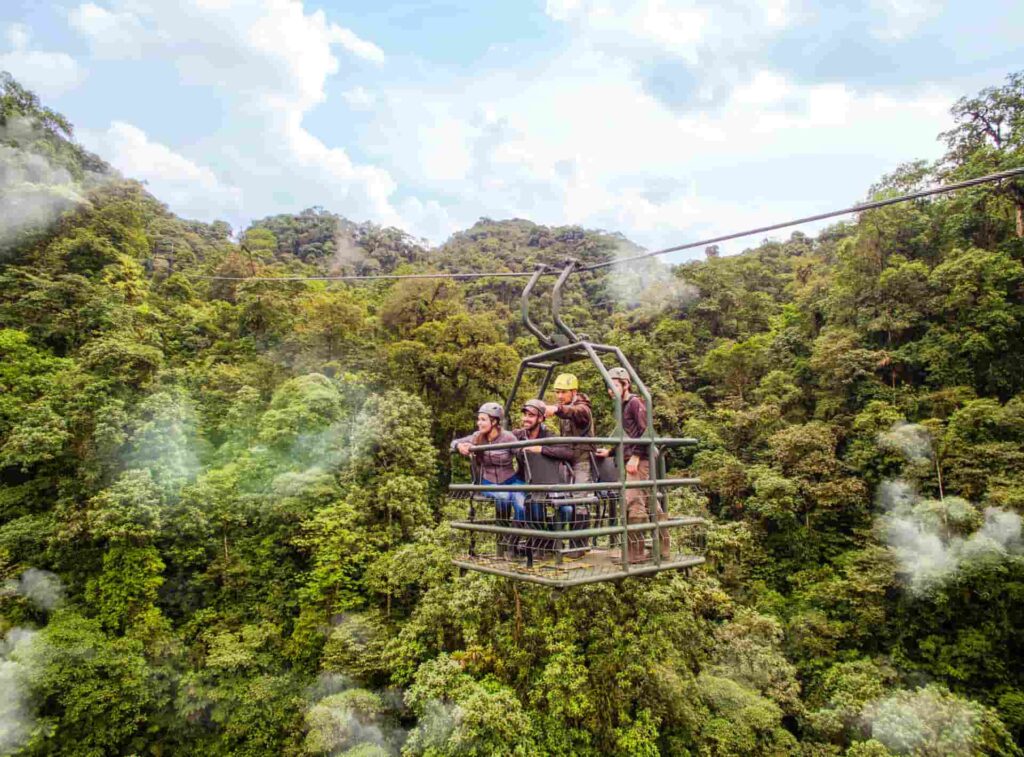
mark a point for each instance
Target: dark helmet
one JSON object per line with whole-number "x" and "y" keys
{"x": 535, "y": 406}
{"x": 492, "y": 409}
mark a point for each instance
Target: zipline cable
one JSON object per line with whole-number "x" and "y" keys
{"x": 820, "y": 217}
{"x": 370, "y": 277}
{"x": 618, "y": 261}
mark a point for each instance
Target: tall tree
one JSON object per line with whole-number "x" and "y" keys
{"x": 989, "y": 137}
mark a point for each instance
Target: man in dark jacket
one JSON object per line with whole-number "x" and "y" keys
{"x": 574, "y": 419}
{"x": 638, "y": 465}
{"x": 533, "y": 428}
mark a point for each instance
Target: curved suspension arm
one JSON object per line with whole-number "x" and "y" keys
{"x": 556, "y": 301}
{"x": 544, "y": 339}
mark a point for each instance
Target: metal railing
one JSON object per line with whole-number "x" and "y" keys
{"x": 574, "y": 533}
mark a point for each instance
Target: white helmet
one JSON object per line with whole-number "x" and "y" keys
{"x": 618, "y": 373}
{"x": 492, "y": 409}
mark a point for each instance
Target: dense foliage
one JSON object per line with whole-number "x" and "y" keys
{"x": 222, "y": 522}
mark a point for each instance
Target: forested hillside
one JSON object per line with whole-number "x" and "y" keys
{"x": 222, "y": 512}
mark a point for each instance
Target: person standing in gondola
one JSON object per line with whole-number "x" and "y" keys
{"x": 574, "y": 419}
{"x": 638, "y": 464}
{"x": 495, "y": 466}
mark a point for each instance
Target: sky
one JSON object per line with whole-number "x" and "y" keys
{"x": 664, "y": 120}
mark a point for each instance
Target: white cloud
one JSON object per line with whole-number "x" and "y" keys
{"x": 49, "y": 74}
{"x": 18, "y": 36}
{"x": 579, "y": 137}
{"x": 268, "y": 62}
{"x": 355, "y": 45}
{"x": 110, "y": 35}
{"x": 901, "y": 18}
{"x": 267, "y": 48}
{"x": 673, "y": 28}
{"x": 190, "y": 189}
{"x": 581, "y": 141}
{"x": 776, "y": 14}
{"x": 331, "y": 167}
{"x": 427, "y": 219}
{"x": 563, "y": 10}
{"x": 766, "y": 88}
{"x": 358, "y": 98}
{"x": 685, "y": 30}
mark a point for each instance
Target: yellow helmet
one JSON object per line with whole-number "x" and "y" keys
{"x": 566, "y": 381}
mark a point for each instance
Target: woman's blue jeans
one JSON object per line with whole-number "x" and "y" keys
{"x": 504, "y": 500}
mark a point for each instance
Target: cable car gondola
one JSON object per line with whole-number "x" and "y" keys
{"x": 577, "y": 533}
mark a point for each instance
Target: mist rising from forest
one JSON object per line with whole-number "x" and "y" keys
{"x": 647, "y": 284}
{"x": 21, "y": 649}
{"x": 34, "y": 189}
{"x": 16, "y": 713}
{"x": 347, "y": 254}
{"x": 907, "y": 722}
{"x": 341, "y": 716}
{"x": 40, "y": 587}
{"x": 933, "y": 540}
{"x": 164, "y": 440}
{"x": 913, "y": 440}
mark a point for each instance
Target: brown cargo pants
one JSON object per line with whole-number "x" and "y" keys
{"x": 636, "y": 512}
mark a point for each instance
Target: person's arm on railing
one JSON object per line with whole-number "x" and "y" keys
{"x": 462, "y": 445}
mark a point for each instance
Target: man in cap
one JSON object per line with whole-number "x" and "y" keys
{"x": 574, "y": 419}
{"x": 495, "y": 466}
{"x": 533, "y": 427}
{"x": 638, "y": 464}
{"x": 533, "y": 413}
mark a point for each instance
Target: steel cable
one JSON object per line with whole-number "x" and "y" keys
{"x": 618, "y": 261}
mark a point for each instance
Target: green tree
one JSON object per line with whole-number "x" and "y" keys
{"x": 989, "y": 137}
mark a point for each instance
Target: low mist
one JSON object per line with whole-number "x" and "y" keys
{"x": 34, "y": 190}
{"x": 934, "y": 540}
{"x": 925, "y": 721}
{"x": 16, "y": 718}
{"x": 348, "y": 255}
{"x": 342, "y": 717}
{"x": 913, "y": 440}
{"x": 647, "y": 284}
{"x": 41, "y": 587}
